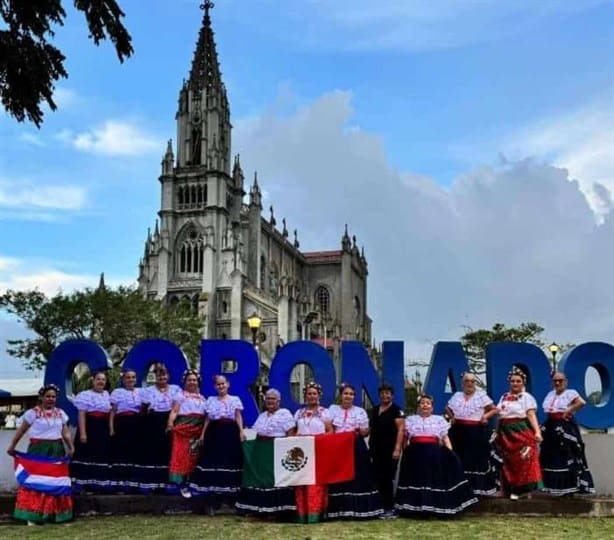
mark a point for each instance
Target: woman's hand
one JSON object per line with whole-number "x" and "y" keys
{"x": 538, "y": 437}
{"x": 10, "y": 450}
{"x": 70, "y": 451}
{"x": 396, "y": 453}
{"x": 83, "y": 438}
{"x": 242, "y": 435}
{"x": 112, "y": 432}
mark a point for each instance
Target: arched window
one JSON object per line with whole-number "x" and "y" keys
{"x": 322, "y": 299}
{"x": 193, "y": 196}
{"x": 190, "y": 253}
{"x": 180, "y": 197}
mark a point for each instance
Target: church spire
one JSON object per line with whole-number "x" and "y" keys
{"x": 205, "y": 72}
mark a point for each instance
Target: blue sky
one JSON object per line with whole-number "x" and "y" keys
{"x": 468, "y": 144}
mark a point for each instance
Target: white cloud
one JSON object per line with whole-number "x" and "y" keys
{"x": 507, "y": 243}
{"x": 32, "y": 138}
{"x": 409, "y": 25}
{"x": 580, "y": 140}
{"x": 28, "y": 196}
{"x": 27, "y": 274}
{"x": 65, "y": 97}
{"x": 113, "y": 138}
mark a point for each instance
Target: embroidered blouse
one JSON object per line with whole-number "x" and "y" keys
{"x": 471, "y": 408}
{"x": 559, "y": 403}
{"x": 45, "y": 424}
{"x": 223, "y": 409}
{"x": 426, "y": 426}
{"x": 348, "y": 419}
{"x": 516, "y": 405}
{"x": 92, "y": 401}
{"x": 190, "y": 403}
{"x": 124, "y": 400}
{"x": 161, "y": 401}
{"x": 309, "y": 422}
{"x": 274, "y": 425}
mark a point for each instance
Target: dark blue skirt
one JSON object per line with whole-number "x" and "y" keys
{"x": 278, "y": 502}
{"x": 128, "y": 450}
{"x": 220, "y": 466}
{"x": 151, "y": 472}
{"x": 432, "y": 481}
{"x": 90, "y": 468}
{"x": 563, "y": 460}
{"x": 358, "y": 498}
{"x": 471, "y": 444}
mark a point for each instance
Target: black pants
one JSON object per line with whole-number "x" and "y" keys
{"x": 385, "y": 469}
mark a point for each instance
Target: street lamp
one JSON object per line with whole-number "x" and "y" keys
{"x": 554, "y": 349}
{"x": 418, "y": 382}
{"x": 254, "y": 323}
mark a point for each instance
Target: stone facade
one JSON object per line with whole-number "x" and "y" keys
{"x": 215, "y": 249}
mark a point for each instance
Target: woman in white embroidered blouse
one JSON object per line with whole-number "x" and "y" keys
{"x": 469, "y": 412}
{"x": 358, "y": 498}
{"x": 126, "y": 427}
{"x": 219, "y": 469}
{"x": 50, "y": 437}
{"x": 312, "y": 419}
{"x": 90, "y": 468}
{"x": 518, "y": 435}
{"x": 277, "y": 501}
{"x": 562, "y": 456}
{"x": 431, "y": 479}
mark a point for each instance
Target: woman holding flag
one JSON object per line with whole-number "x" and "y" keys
{"x": 186, "y": 422}
{"x": 268, "y": 501}
{"x": 312, "y": 501}
{"x": 47, "y": 426}
{"x": 358, "y": 498}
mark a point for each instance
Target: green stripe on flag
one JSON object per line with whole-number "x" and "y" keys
{"x": 258, "y": 464}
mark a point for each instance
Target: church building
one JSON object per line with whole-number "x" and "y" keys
{"x": 213, "y": 247}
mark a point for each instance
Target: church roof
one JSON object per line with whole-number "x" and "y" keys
{"x": 323, "y": 256}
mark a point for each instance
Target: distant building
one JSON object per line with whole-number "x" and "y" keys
{"x": 220, "y": 253}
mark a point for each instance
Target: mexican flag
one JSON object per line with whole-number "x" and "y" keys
{"x": 299, "y": 461}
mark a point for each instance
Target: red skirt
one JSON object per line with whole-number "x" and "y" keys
{"x": 39, "y": 507}
{"x": 184, "y": 457}
{"x": 518, "y": 448}
{"x": 311, "y": 503}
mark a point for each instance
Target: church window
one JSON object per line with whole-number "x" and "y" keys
{"x": 180, "y": 198}
{"x": 322, "y": 299}
{"x": 224, "y": 307}
{"x": 190, "y": 253}
{"x": 200, "y": 196}
{"x": 193, "y": 197}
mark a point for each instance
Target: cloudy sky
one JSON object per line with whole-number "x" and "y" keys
{"x": 468, "y": 145}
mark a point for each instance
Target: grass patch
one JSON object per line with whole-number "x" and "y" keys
{"x": 235, "y": 528}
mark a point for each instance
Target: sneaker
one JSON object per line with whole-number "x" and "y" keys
{"x": 514, "y": 497}
{"x": 185, "y": 492}
{"x": 389, "y": 514}
{"x": 31, "y": 523}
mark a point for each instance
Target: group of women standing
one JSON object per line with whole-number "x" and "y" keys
{"x": 522, "y": 456}
{"x": 167, "y": 439}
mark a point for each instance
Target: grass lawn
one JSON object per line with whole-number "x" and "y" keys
{"x": 231, "y": 528}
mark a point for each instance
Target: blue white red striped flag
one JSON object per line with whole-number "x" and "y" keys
{"x": 43, "y": 474}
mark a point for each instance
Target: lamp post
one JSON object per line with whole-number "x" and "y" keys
{"x": 554, "y": 349}
{"x": 418, "y": 382}
{"x": 254, "y": 322}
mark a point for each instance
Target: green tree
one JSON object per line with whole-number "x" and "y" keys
{"x": 30, "y": 65}
{"x": 475, "y": 341}
{"x": 114, "y": 318}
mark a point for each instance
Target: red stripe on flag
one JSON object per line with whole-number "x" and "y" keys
{"x": 334, "y": 457}
{"x": 55, "y": 470}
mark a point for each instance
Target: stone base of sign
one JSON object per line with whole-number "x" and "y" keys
{"x": 538, "y": 505}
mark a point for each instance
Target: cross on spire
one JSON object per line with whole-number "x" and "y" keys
{"x": 206, "y": 6}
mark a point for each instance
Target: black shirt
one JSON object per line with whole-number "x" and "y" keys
{"x": 383, "y": 435}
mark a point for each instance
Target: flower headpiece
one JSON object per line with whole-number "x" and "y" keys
{"x": 516, "y": 371}
{"x": 189, "y": 372}
{"x": 313, "y": 384}
{"x": 46, "y": 387}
